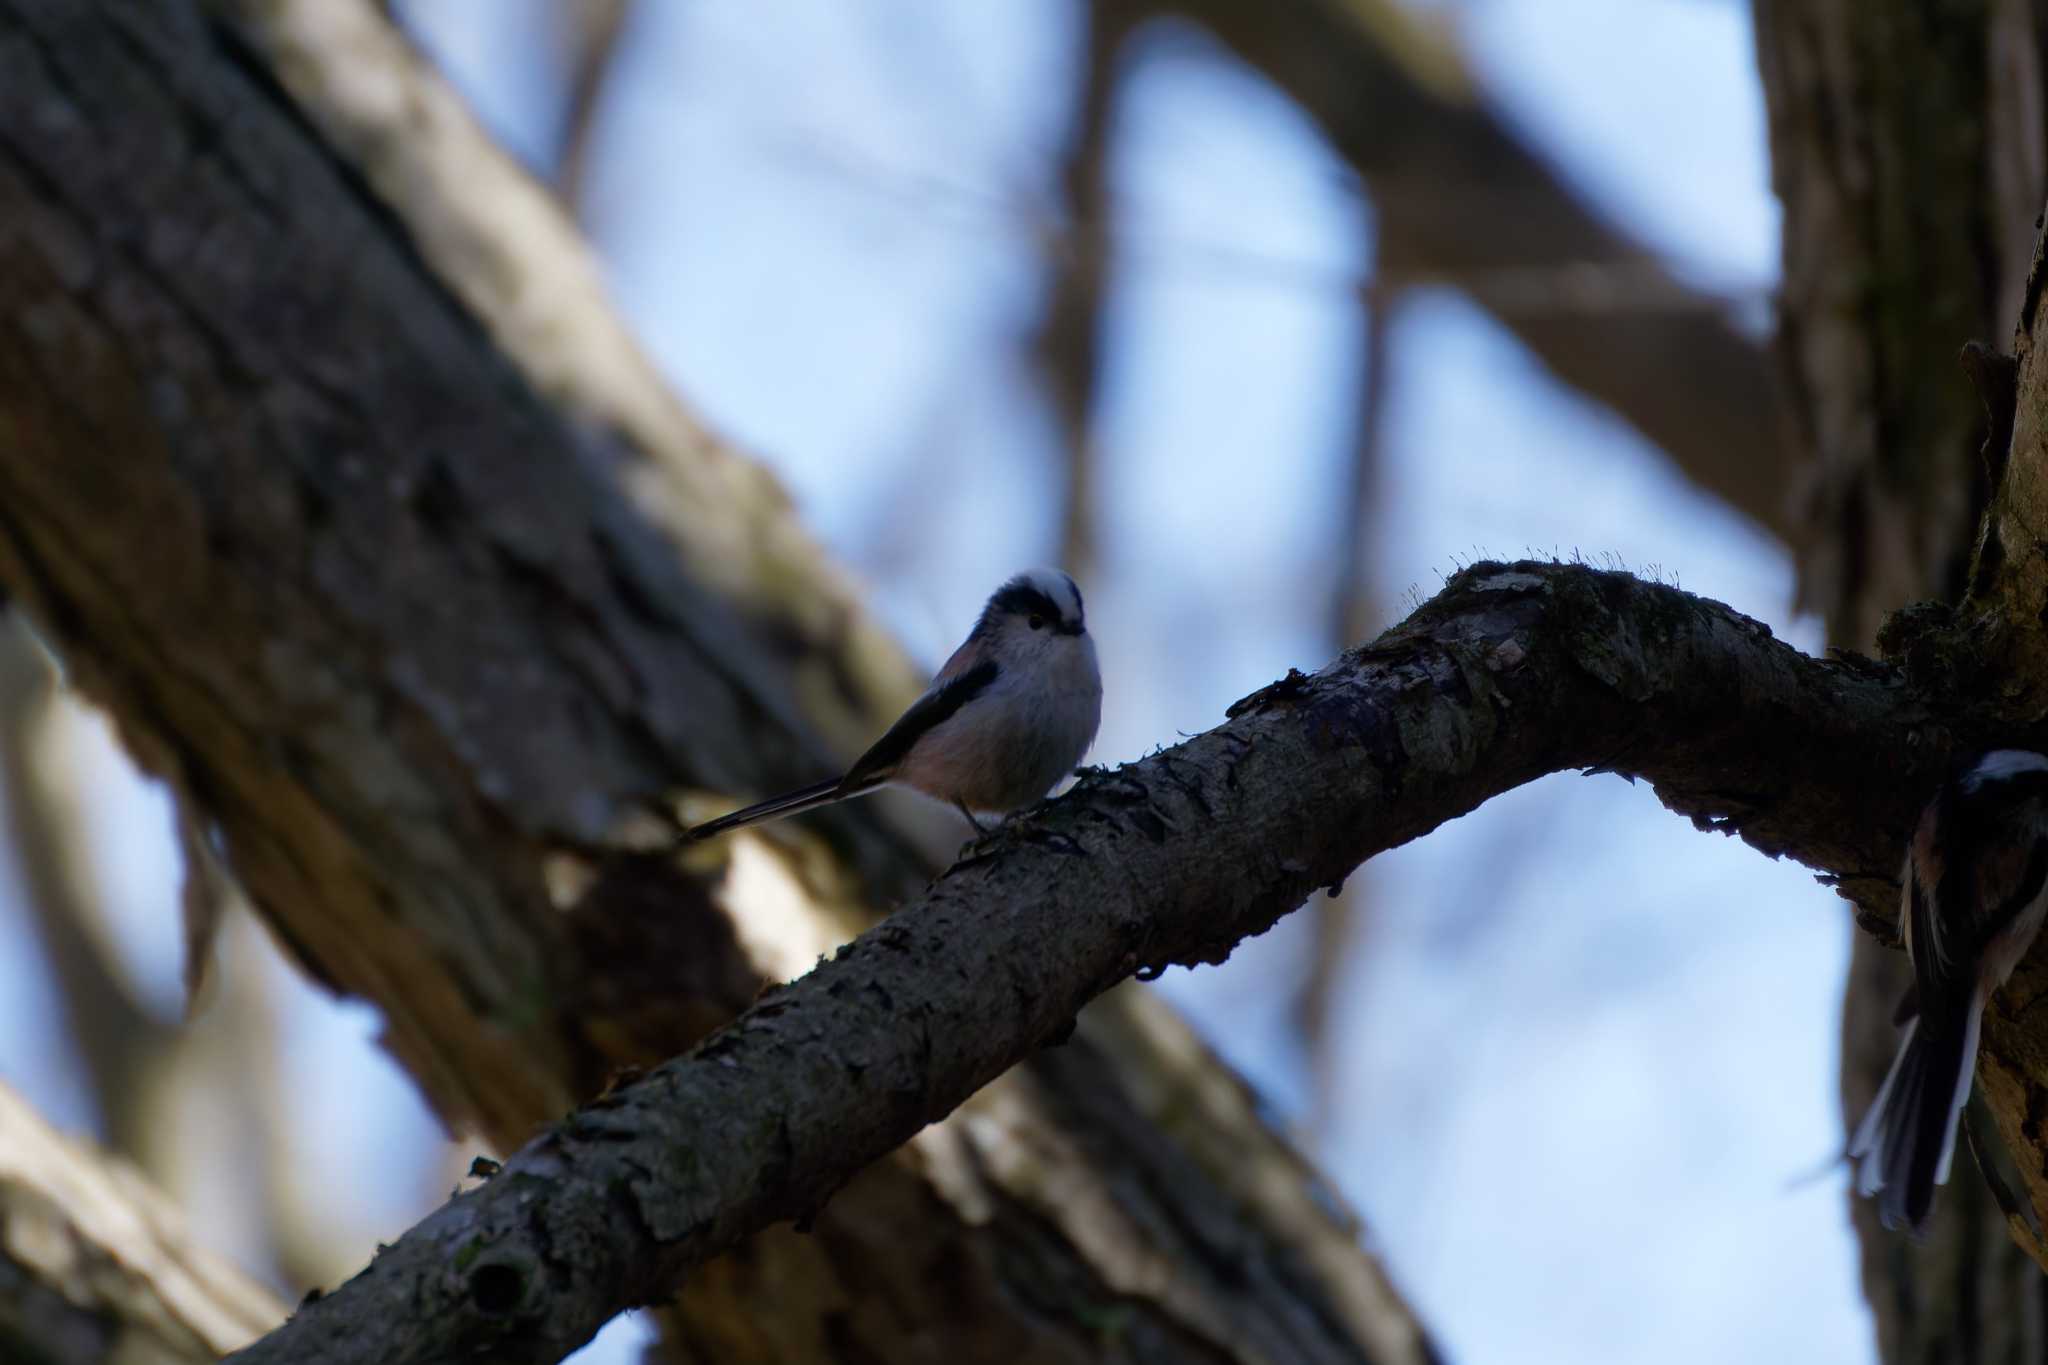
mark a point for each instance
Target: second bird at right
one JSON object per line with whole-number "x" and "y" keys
{"x": 1975, "y": 888}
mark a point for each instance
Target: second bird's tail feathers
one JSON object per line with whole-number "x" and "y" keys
{"x": 1903, "y": 1147}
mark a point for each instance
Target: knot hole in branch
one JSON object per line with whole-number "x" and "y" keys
{"x": 496, "y": 1288}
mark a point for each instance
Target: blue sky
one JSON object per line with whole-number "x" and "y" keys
{"x": 1588, "y": 1053}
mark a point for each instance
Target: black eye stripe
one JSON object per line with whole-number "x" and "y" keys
{"x": 1021, "y": 599}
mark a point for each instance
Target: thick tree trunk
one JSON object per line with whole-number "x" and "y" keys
{"x": 379, "y": 540}
{"x": 1906, "y": 148}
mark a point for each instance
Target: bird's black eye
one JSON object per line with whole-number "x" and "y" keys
{"x": 1035, "y": 621}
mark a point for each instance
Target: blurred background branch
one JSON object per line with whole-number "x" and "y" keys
{"x": 1355, "y": 609}
{"x": 122, "y": 1044}
{"x": 1078, "y": 236}
{"x": 1460, "y": 198}
{"x": 96, "y": 1267}
{"x": 173, "y": 1096}
{"x": 591, "y": 33}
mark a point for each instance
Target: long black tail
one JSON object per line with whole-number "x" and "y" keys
{"x": 1903, "y": 1146}
{"x": 789, "y": 803}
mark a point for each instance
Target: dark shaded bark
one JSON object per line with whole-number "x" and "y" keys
{"x": 1896, "y": 253}
{"x": 1906, "y": 148}
{"x": 335, "y": 482}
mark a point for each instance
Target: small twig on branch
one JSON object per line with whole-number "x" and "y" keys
{"x": 1067, "y": 347}
{"x": 592, "y": 32}
{"x": 1511, "y": 672}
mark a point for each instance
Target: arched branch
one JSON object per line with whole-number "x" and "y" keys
{"x": 1512, "y": 672}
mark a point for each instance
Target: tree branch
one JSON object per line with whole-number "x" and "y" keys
{"x": 1446, "y": 172}
{"x": 95, "y": 1266}
{"x": 1511, "y": 672}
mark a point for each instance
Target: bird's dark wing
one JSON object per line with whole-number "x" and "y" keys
{"x": 940, "y": 702}
{"x": 1970, "y": 902}
{"x": 2008, "y": 882}
{"x": 1940, "y": 950}
{"x": 1941, "y": 912}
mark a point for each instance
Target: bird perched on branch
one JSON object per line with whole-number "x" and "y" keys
{"x": 1011, "y": 713}
{"x": 1976, "y": 887}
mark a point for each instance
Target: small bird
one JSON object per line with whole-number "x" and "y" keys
{"x": 1011, "y": 713}
{"x": 1976, "y": 887}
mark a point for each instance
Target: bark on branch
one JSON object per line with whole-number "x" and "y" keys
{"x": 1510, "y": 673}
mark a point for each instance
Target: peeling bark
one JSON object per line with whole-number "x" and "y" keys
{"x": 1893, "y": 259}
{"x": 2009, "y": 603}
